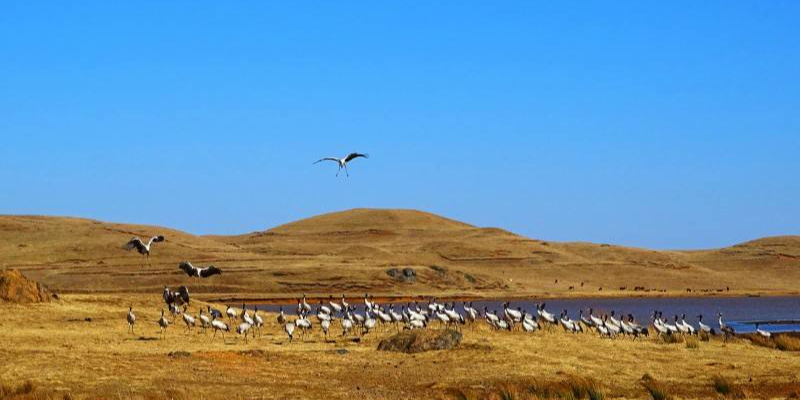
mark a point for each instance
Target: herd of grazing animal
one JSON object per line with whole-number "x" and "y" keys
{"x": 410, "y": 316}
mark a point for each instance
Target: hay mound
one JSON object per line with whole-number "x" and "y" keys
{"x": 16, "y": 288}
{"x": 421, "y": 340}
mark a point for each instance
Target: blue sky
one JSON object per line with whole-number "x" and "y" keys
{"x": 666, "y": 125}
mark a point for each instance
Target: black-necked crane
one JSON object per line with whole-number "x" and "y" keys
{"x": 345, "y": 305}
{"x": 347, "y": 323}
{"x": 244, "y": 329}
{"x": 258, "y": 321}
{"x": 213, "y": 312}
{"x": 188, "y": 319}
{"x": 304, "y": 324}
{"x": 546, "y": 316}
{"x": 342, "y": 162}
{"x": 762, "y": 332}
{"x": 323, "y": 308}
{"x": 703, "y": 327}
{"x": 335, "y": 307}
{"x": 163, "y": 324}
{"x": 219, "y": 326}
{"x": 131, "y": 319}
{"x": 369, "y": 323}
{"x": 289, "y": 327}
{"x": 196, "y": 272}
{"x": 245, "y": 317}
{"x": 205, "y": 321}
{"x": 325, "y": 324}
{"x": 231, "y": 313}
{"x": 725, "y": 329}
{"x": 689, "y": 328}
{"x": 281, "y": 317}
{"x": 303, "y": 306}
{"x": 141, "y": 247}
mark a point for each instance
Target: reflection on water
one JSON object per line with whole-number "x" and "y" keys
{"x": 775, "y": 314}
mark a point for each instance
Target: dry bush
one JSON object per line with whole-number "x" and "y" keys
{"x": 787, "y": 343}
{"x": 656, "y": 389}
{"x": 727, "y": 388}
{"x": 671, "y": 339}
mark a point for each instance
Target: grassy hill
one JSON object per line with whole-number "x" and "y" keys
{"x": 353, "y": 251}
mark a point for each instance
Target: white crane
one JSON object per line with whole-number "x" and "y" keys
{"x": 141, "y": 247}
{"x": 343, "y": 161}
{"x": 131, "y": 319}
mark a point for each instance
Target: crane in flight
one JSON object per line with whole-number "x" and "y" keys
{"x": 342, "y": 162}
{"x": 141, "y": 247}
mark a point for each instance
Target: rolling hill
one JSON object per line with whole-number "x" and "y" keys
{"x": 363, "y": 250}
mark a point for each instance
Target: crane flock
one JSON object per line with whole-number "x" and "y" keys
{"x": 341, "y": 319}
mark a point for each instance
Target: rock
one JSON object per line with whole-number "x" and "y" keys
{"x": 16, "y": 288}
{"x": 419, "y": 341}
{"x": 179, "y": 354}
{"x": 405, "y": 275}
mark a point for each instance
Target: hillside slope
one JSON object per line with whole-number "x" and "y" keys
{"x": 355, "y": 251}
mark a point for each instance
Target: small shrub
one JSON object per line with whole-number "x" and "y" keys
{"x": 726, "y": 388}
{"x": 692, "y": 343}
{"x": 672, "y": 339}
{"x": 704, "y": 336}
{"x": 656, "y": 389}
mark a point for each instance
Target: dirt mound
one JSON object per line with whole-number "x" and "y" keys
{"x": 420, "y": 341}
{"x": 16, "y": 288}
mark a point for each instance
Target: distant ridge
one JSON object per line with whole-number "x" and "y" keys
{"x": 352, "y": 251}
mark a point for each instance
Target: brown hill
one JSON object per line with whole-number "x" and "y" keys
{"x": 351, "y": 252}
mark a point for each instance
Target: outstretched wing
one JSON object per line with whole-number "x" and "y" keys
{"x": 183, "y": 292}
{"x": 352, "y": 156}
{"x": 327, "y": 159}
{"x": 210, "y": 271}
{"x": 134, "y": 243}
{"x": 156, "y": 239}
{"x": 188, "y": 268}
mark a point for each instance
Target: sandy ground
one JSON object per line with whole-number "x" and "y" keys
{"x": 54, "y": 346}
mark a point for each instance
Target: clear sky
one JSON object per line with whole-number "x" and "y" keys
{"x": 658, "y": 124}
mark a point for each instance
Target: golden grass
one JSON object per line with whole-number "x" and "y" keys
{"x": 53, "y": 346}
{"x": 782, "y": 342}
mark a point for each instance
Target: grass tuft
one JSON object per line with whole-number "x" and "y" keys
{"x": 672, "y": 339}
{"x": 656, "y": 389}
{"x": 726, "y": 388}
{"x": 692, "y": 343}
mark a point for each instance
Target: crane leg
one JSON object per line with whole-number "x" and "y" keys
{"x": 346, "y": 171}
